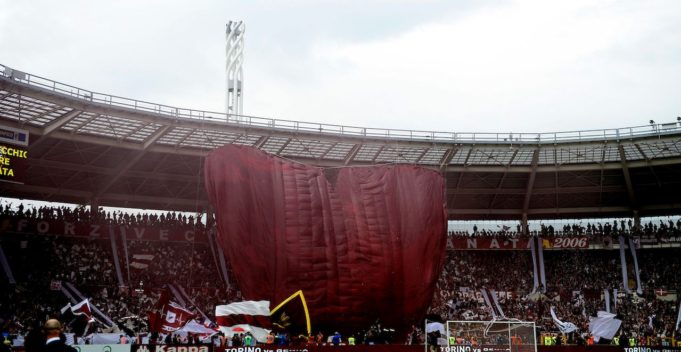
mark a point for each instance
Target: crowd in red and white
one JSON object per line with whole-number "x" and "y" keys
{"x": 576, "y": 279}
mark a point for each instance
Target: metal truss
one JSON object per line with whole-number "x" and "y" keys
{"x": 88, "y": 146}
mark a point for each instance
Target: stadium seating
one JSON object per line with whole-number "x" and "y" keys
{"x": 575, "y": 278}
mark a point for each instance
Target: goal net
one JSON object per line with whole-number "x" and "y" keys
{"x": 490, "y": 336}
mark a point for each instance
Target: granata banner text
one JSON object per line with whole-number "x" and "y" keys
{"x": 11, "y": 224}
{"x": 514, "y": 243}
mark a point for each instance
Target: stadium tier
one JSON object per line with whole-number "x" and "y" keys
{"x": 91, "y": 147}
{"x": 132, "y": 271}
{"x": 51, "y": 265}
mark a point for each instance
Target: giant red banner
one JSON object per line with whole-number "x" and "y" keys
{"x": 362, "y": 243}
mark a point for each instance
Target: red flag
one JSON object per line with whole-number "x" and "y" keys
{"x": 79, "y": 316}
{"x": 168, "y": 316}
{"x": 83, "y": 309}
{"x": 661, "y": 292}
{"x": 155, "y": 314}
{"x": 175, "y": 317}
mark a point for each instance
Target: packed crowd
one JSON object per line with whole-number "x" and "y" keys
{"x": 575, "y": 284}
{"x": 658, "y": 228}
{"x": 40, "y": 263}
{"x": 192, "y": 264}
{"x": 574, "y": 288}
{"x": 117, "y": 217}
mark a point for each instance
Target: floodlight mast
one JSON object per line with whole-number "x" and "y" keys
{"x": 234, "y": 69}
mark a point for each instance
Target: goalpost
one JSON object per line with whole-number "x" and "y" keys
{"x": 487, "y": 336}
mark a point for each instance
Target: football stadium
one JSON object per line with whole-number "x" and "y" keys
{"x": 128, "y": 225}
{"x": 303, "y": 236}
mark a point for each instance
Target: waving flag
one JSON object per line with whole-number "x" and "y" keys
{"x": 79, "y": 316}
{"x": 253, "y": 316}
{"x": 194, "y": 327}
{"x": 175, "y": 317}
{"x": 292, "y": 315}
{"x": 564, "y": 327}
{"x": 83, "y": 309}
{"x": 604, "y": 325}
{"x": 491, "y": 300}
{"x": 168, "y": 316}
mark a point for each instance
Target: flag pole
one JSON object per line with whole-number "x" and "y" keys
{"x": 425, "y": 328}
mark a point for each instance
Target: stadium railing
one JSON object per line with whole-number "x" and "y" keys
{"x": 351, "y": 131}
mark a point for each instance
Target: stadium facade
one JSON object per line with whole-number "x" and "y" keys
{"x": 99, "y": 149}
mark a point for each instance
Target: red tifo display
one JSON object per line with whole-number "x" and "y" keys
{"x": 361, "y": 242}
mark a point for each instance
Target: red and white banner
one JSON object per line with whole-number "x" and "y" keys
{"x": 520, "y": 243}
{"x": 246, "y": 316}
{"x": 487, "y": 243}
{"x": 9, "y": 224}
{"x": 187, "y": 233}
{"x": 141, "y": 261}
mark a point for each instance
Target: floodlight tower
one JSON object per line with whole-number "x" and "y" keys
{"x": 235, "y": 73}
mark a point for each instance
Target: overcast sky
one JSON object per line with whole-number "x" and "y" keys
{"x": 497, "y": 66}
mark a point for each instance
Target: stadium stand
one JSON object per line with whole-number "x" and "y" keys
{"x": 103, "y": 150}
{"x": 576, "y": 278}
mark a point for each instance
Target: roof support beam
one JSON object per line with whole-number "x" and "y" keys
{"x": 451, "y": 196}
{"x": 421, "y": 155}
{"x": 283, "y": 146}
{"x": 649, "y": 165}
{"x": 503, "y": 177}
{"x": 530, "y": 183}
{"x": 261, "y": 141}
{"x": 377, "y": 154}
{"x": 155, "y": 137}
{"x": 84, "y": 123}
{"x": 470, "y": 151}
{"x": 627, "y": 178}
{"x": 45, "y": 113}
{"x": 132, "y": 161}
{"x": 351, "y": 155}
{"x": 447, "y": 157}
{"x": 329, "y": 149}
{"x": 55, "y": 125}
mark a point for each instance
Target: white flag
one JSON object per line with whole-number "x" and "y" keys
{"x": 246, "y": 316}
{"x": 604, "y": 326}
{"x": 564, "y": 327}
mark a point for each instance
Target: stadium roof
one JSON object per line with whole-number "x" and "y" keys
{"x": 90, "y": 147}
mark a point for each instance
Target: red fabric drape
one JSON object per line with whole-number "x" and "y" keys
{"x": 361, "y": 242}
